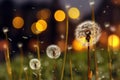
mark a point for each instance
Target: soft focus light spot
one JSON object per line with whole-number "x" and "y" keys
{"x": 43, "y": 14}
{"x": 103, "y": 38}
{"x": 41, "y": 25}
{"x": 84, "y": 41}
{"x": 34, "y": 30}
{"x": 116, "y": 2}
{"x": 92, "y": 2}
{"x": 18, "y": 22}
{"x": 61, "y": 44}
{"x": 5, "y": 29}
{"x": 61, "y": 28}
{"x": 3, "y": 45}
{"x": 107, "y": 24}
{"x": 32, "y": 44}
{"x": 20, "y": 45}
{"x": 113, "y": 41}
{"x": 77, "y": 46}
{"x": 112, "y": 29}
{"x": 118, "y": 30}
{"x": 74, "y": 13}
{"x": 59, "y": 15}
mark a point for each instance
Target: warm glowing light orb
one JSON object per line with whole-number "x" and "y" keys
{"x": 41, "y": 25}
{"x": 32, "y": 44}
{"x": 34, "y": 30}
{"x": 62, "y": 45}
{"x": 18, "y": 22}
{"x": 74, "y": 13}
{"x": 103, "y": 38}
{"x": 77, "y": 46}
{"x": 59, "y": 15}
{"x": 116, "y": 2}
{"x": 113, "y": 41}
{"x": 3, "y": 45}
{"x": 43, "y": 14}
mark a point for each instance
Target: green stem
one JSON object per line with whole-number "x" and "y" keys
{"x": 65, "y": 54}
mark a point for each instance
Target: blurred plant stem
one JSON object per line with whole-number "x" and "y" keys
{"x": 65, "y": 54}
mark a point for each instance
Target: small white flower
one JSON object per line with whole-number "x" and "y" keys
{"x": 92, "y": 3}
{"x": 69, "y": 47}
{"x": 20, "y": 45}
{"x": 62, "y": 36}
{"x": 5, "y": 29}
{"x": 25, "y": 68}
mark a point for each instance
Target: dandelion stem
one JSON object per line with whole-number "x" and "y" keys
{"x": 38, "y": 48}
{"x": 110, "y": 61}
{"x": 71, "y": 69}
{"x": 7, "y": 58}
{"x": 26, "y": 75}
{"x": 65, "y": 54}
{"x": 21, "y": 62}
{"x": 95, "y": 58}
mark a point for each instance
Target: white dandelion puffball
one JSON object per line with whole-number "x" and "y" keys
{"x": 53, "y": 51}
{"x": 85, "y": 27}
{"x": 20, "y": 45}
{"x": 35, "y": 64}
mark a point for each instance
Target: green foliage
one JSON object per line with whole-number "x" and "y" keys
{"x": 51, "y": 68}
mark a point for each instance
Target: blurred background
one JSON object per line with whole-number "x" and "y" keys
{"x": 19, "y": 21}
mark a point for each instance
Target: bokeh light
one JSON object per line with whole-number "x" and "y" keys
{"x": 41, "y": 25}
{"x": 74, "y": 13}
{"x": 77, "y": 46}
{"x": 61, "y": 28}
{"x": 103, "y": 38}
{"x": 43, "y": 14}
{"x": 3, "y": 45}
{"x": 61, "y": 44}
{"x": 118, "y": 30}
{"x": 59, "y": 15}
{"x": 32, "y": 44}
{"x": 18, "y": 22}
{"x": 34, "y": 30}
{"x": 113, "y": 41}
{"x": 5, "y": 29}
{"x": 116, "y": 2}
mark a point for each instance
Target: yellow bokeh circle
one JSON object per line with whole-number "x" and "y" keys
{"x": 34, "y": 30}
{"x": 41, "y": 25}
{"x": 113, "y": 41}
{"x": 74, "y": 13}
{"x": 59, "y": 15}
{"x": 77, "y": 46}
{"x": 18, "y": 22}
